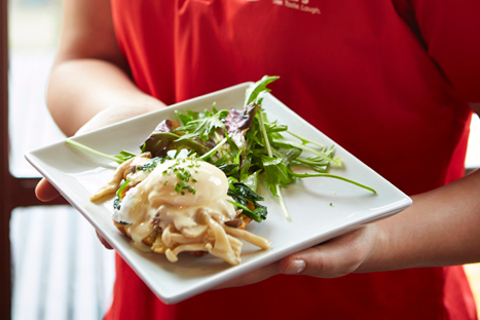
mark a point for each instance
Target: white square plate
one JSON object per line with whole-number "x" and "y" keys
{"x": 320, "y": 208}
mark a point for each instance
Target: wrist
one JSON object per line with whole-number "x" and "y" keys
{"x": 376, "y": 260}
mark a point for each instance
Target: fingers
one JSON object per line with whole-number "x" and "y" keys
{"x": 45, "y": 191}
{"x": 103, "y": 241}
{"x": 252, "y": 277}
{"x": 334, "y": 258}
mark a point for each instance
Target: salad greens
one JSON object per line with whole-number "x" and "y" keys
{"x": 244, "y": 144}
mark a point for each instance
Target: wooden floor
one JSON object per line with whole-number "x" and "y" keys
{"x": 60, "y": 269}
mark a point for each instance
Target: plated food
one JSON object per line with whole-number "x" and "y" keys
{"x": 193, "y": 187}
{"x": 175, "y": 206}
{"x": 320, "y": 208}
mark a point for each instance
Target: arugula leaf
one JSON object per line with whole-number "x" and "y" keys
{"x": 276, "y": 173}
{"x": 125, "y": 155}
{"x": 315, "y": 163}
{"x": 203, "y": 127}
{"x": 189, "y": 115}
{"x": 254, "y": 91}
{"x": 186, "y": 116}
{"x": 327, "y": 156}
{"x": 213, "y": 150}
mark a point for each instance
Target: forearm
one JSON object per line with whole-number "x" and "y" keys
{"x": 442, "y": 227}
{"x": 79, "y": 89}
{"x": 89, "y": 81}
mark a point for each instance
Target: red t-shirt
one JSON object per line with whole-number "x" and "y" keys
{"x": 387, "y": 80}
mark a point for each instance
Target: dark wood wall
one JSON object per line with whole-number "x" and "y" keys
{"x": 5, "y": 178}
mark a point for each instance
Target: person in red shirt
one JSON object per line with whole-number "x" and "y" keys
{"x": 393, "y": 82}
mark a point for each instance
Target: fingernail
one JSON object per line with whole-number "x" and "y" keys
{"x": 295, "y": 267}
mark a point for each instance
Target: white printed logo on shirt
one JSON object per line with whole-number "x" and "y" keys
{"x": 301, "y": 5}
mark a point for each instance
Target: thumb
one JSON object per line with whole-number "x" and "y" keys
{"x": 334, "y": 258}
{"x": 45, "y": 191}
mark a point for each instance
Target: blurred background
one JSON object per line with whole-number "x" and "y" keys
{"x": 60, "y": 269}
